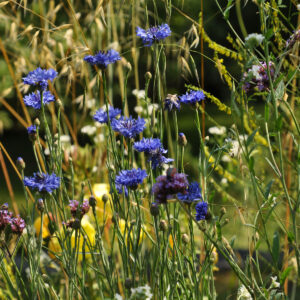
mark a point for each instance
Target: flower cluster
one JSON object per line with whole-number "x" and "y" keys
{"x": 257, "y": 77}
{"x": 102, "y": 59}
{"x": 171, "y": 184}
{"x": 131, "y": 178}
{"x": 153, "y": 148}
{"x": 293, "y": 39}
{"x": 34, "y": 99}
{"x": 40, "y": 77}
{"x": 101, "y": 115}
{"x": 153, "y": 34}
{"x": 128, "y": 127}
{"x": 193, "y": 193}
{"x": 192, "y": 97}
{"x": 80, "y": 209}
{"x": 43, "y": 182}
{"x": 16, "y": 224}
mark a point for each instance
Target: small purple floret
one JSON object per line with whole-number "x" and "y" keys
{"x": 101, "y": 115}
{"x": 193, "y": 193}
{"x": 201, "y": 210}
{"x": 42, "y": 182}
{"x": 192, "y": 97}
{"x": 128, "y": 127}
{"x": 40, "y": 77}
{"x": 131, "y": 178}
{"x": 153, "y": 34}
{"x": 102, "y": 59}
{"x": 34, "y": 99}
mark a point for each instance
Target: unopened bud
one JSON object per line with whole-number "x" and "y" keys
{"x": 148, "y": 76}
{"x": 163, "y": 225}
{"x": 105, "y": 198}
{"x": 40, "y": 205}
{"x": 59, "y": 103}
{"x": 222, "y": 211}
{"x": 20, "y": 163}
{"x": 182, "y": 141}
{"x": 128, "y": 66}
{"x": 4, "y": 206}
{"x": 226, "y": 221}
{"x": 92, "y": 201}
{"x": 185, "y": 238}
{"x": 154, "y": 209}
{"x": 37, "y": 122}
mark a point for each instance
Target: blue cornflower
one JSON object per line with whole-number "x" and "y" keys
{"x": 147, "y": 145}
{"x": 153, "y": 34}
{"x": 119, "y": 189}
{"x": 40, "y": 77}
{"x": 43, "y": 182}
{"x": 193, "y": 193}
{"x": 172, "y": 102}
{"x": 102, "y": 59}
{"x": 101, "y": 115}
{"x": 201, "y": 210}
{"x": 157, "y": 159}
{"x": 128, "y": 127}
{"x": 192, "y": 97}
{"x": 34, "y": 99}
{"x": 31, "y": 129}
{"x": 131, "y": 178}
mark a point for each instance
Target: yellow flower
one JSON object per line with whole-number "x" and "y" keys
{"x": 55, "y": 248}
{"x": 37, "y": 225}
{"x": 100, "y": 189}
{"x": 122, "y": 226}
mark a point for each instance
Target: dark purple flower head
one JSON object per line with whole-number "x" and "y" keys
{"x": 257, "y": 77}
{"x": 31, "y": 129}
{"x": 42, "y": 182}
{"x": 34, "y": 99}
{"x": 293, "y": 39}
{"x": 128, "y": 127}
{"x": 40, "y": 77}
{"x": 172, "y": 102}
{"x": 169, "y": 185}
{"x": 17, "y": 225}
{"x": 102, "y": 59}
{"x": 101, "y": 115}
{"x": 153, "y": 34}
{"x": 193, "y": 193}
{"x": 192, "y": 97}
{"x": 131, "y": 178}
{"x": 82, "y": 208}
{"x": 201, "y": 210}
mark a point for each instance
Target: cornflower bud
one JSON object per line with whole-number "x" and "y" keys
{"x": 92, "y": 201}
{"x": 185, "y": 238}
{"x": 40, "y": 205}
{"x": 128, "y": 283}
{"x": 154, "y": 209}
{"x": 20, "y": 163}
{"x": 222, "y": 212}
{"x": 105, "y": 198}
{"x": 163, "y": 225}
{"x": 37, "y": 122}
{"x": 148, "y": 76}
{"x": 182, "y": 141}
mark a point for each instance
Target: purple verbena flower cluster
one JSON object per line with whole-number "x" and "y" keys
{"x": 153, "y": 34}
{"x": 80, "y": 209}
{"x": 131, "y": 178}
{"x": 257, "y": 77}
{"x": 34, "y": 99}
{"x": 101, "y": 115}
{"x": 102, "y": 59}
{"x": 169, "y": 185}
{"x": 40, "y": 77}
{"x": 42, "y": 182}
{"x": 16, "y": 224}
{"x": 128, "y": 127}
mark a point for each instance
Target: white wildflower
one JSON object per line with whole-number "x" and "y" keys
{"x": 141, "y": 292}
{"x": 89, "y": 129}
{"x": 226, "y": 158}
{"x": 217, "y": 130}
{"x": 224, "y": 181}
{"x": 99, "y": 138}
{"x": 138, "y": 109}
{"x": 140, "y": 94}
{"x": 234, "y": 147}
{"x": 152, "y": 107}
{"x": 274, "y": 284}
{"x": 118, "y": 297}
{"x": 243, "y": 294}
{"x": 254, "y": 39}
